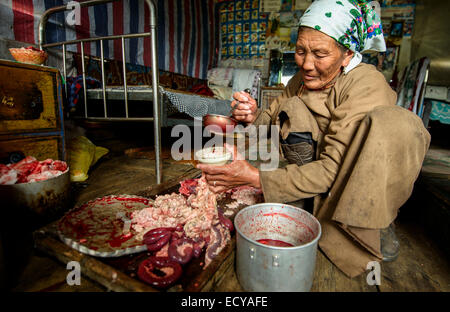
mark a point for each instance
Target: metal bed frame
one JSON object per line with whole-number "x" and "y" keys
{"x": 117, "y": 94}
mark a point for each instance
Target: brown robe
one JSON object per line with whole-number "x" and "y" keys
{"x": 369, "y": 154}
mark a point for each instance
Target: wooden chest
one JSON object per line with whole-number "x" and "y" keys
{"x": 31, "y": 112}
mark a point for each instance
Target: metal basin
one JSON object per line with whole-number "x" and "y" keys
{"x": 41, "y": 198}
{"x": 226, "y": 124}
{"x": 262, "y": 267}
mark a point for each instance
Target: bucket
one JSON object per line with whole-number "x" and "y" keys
{"x": 272, "y": 268}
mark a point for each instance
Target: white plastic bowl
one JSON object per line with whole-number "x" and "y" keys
{"x": 213, "y": 156}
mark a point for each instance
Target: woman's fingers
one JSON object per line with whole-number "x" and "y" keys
{"x": 218, "y": 183}
{"x": 216, "y": 179}
{"x": 210, "y": 169}
{"x": 218, "y": 189}
{"x": 241, "y": 96}
{"x": 243, "y": 99}
{"x": 242, "y": 107}
{"x": 241, "y": 113}
{"x": 239, "y": 172}
{"x": 245, "y": 108}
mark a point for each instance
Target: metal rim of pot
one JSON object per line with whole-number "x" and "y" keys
{"x": 313, "y": 241}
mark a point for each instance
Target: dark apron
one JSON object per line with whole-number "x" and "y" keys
{"x": 298, "y": 148}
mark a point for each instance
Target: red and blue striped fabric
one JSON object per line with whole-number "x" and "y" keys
{"x": 188, "y": 33}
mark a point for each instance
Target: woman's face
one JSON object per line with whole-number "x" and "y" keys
{"x": 319, "y": 58}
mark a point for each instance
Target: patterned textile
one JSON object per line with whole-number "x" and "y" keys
{"x": 440, "y": 111}
{"x": 196, "y": 105}
{"x": 352, "y": 23}
{"x": 75, "y": 87}
{"x": 187, "y": 43}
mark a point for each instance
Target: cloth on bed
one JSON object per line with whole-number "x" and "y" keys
{"x": 197, "y": 105}
{"x": 75, "y": 87}
{"x": 440, "y": 111}
{"x": 221, "y": 78}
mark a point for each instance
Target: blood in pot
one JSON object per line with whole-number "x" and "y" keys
{"x": 274, "y": 242}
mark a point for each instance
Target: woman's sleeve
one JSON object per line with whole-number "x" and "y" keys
{"x": 356, "y": 97}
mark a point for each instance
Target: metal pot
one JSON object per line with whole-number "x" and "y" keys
{"x": 262, "y": 267}
{"x": 41, "y": 198}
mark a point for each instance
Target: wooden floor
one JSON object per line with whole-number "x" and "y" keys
{"x": 421, "y": 266}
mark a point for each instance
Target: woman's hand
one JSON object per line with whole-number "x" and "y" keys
{"x": 238, "y": 172}
{"x": 246, "y": 108}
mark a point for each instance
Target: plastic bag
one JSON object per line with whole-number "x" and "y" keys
{"x": 82, "y": 154}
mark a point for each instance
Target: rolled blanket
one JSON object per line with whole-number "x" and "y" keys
{"x": 220, "y": 92}
{"x": 246, "y": 79}
{"x": 220, "y": 76}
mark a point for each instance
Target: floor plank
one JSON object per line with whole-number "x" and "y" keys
{"x": 44, "y": 274}
{"x": 421, "y": 265}
{"x": 328, "y": 278}
{"x": 126, "y": 175}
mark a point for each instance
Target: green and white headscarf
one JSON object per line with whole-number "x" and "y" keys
{"x": 352, "y": 23}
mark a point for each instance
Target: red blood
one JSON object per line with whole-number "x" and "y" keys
{"x": 137, "y": 200}
{"x": 80, "y": 229}
{"x": 290, "y": 218}
{"x": 117, "y": 241}
{"x": 274, "y": 242}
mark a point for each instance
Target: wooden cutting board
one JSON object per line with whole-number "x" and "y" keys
{"x": 119, "y": 274}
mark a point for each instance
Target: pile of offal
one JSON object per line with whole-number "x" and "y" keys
{"x": 191, "y": 222}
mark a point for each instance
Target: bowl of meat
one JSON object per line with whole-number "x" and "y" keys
{"x": 36, "y": 188}
{"x": 29, "y": 55}
{"x": 213, "y": 156}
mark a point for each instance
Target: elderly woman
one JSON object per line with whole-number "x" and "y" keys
{"x": 349, "y": 147}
